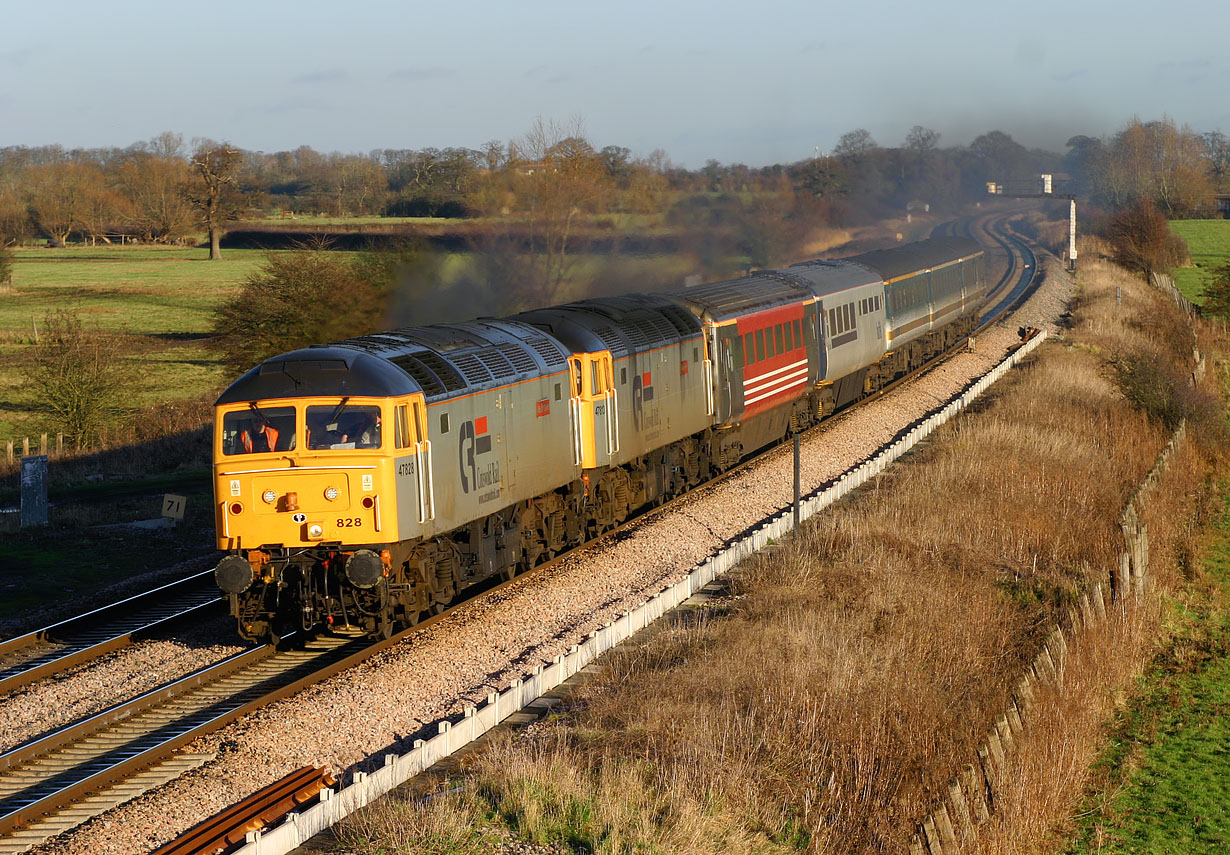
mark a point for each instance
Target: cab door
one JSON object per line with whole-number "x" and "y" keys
{"x": 415, "y": 485}
{"x": 594, "y": 408}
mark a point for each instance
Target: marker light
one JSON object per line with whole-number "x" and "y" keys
{"x": 269, "y": 496}
{"x": 331, "y": 493}
{"x": 236, "y": 509}
{"x": 315, "y": 531}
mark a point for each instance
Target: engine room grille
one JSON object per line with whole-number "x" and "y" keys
{"x": 521, "y": 360}
{"x": 548, "y": 351}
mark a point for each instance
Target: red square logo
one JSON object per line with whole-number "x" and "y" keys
{"x": 480, "y": 425}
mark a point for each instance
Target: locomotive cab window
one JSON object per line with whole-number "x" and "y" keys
{"x": 402, "y": 437}
{"x": 258, "y": 430}
{"x": 341, "y": 427}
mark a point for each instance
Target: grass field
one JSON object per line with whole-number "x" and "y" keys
{"x": 163, "y": 295}
{"x": 1209, "y": 242}
{"x": 1168, "y": 765}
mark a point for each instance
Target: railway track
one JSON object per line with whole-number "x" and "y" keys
{"x": 46, "y": 776}
{"x": 56, "y": 648}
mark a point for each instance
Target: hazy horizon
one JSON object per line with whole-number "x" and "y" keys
{"x": 698, "y": 80}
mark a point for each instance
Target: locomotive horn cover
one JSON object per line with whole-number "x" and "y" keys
{"x": 364, "y": 569}
{"x": 234, "y": 574}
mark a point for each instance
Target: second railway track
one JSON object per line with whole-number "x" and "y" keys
{"x": 56, "y": 648}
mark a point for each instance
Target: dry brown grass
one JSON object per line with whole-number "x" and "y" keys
{"x": 858, "y": 666}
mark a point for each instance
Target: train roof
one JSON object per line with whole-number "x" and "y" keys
{"x": 719, "y": 301}
{"x": 325, "y": 371}
{"x": 831, "y": 277}
{"x": 633, "y": 323}
{"x": 901, "y": 260}
{"x": 442, "y": 361}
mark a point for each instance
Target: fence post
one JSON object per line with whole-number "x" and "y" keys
{"x": 42, "y": 444}
{"x": 8, "y": 450}
{"x": 25, "y": 446}
{"x": 59, "y": 444}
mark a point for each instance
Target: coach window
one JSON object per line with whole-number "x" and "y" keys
{"x": 749, "y": 349}
{"x": 759, "y": 345}
{"x": 789, "y": 337}
{"x": 778, "y": 338}
{"x": 798, "y": 337}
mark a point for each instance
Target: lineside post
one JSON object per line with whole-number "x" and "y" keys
{"x": 796, "y": 481}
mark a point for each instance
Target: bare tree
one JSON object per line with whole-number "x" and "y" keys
{"x": 153, "y": 176}
{"x": 552, "y": 177}
{"x": 81, "y": 377}
{"x": 921, "y": 140}
{"x": 1157, "y": 162}
{"x": 58, "y": 195}
{"x": 216, "y": 195}
{"x": 855, "y": 144}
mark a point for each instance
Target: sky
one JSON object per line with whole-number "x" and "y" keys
{"x": 773, "y": 81}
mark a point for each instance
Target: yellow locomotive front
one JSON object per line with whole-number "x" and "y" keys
{"x": 301, "y": 473}
{"x": 305, "y": 492}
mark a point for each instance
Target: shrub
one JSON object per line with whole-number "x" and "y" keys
{"x": 1216, "y": 293}
{"x": 301, "y": 297}
{"x": 1142, "y": 240}
{"x": 80, "y": 376}
{"x": 6, "y": 264}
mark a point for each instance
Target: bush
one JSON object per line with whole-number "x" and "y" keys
{"x": 81, "y": 377}
{"x": 1142, "y": 241}
{"x": 1216, "y": 293}
{"x": 313, "y": 295}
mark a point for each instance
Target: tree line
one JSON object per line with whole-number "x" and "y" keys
{"x": 163, "y": 191}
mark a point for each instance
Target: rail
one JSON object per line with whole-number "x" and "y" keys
{"x": 230, "y": 827}
{"x": 79, "y": 639}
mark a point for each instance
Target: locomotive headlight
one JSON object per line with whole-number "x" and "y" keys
{"x": 269, "y": 496}
{"x": 315, "y": 531}
{"x": 331, "y": 493}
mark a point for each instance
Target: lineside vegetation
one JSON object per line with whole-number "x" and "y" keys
{"x": 827, "y": 704}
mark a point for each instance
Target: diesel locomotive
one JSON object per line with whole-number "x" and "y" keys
{"x": 367, "y": 482}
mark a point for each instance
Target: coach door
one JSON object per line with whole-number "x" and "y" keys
{"x": 410, "y": 435}
{"x": 593, "y": 404}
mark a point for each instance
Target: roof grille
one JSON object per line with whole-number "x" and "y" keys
{"x": 548, "y": 350}
{"x": 442, "y": 369}
{"x": 499, "y": 367}
{"x": 421, "y": 373}
{"x": 473, "y": 370}
{"x": 521, "y": 360}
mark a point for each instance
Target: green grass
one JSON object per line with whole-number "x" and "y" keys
{"x": 1209, "y": 242}
{"x": 1168, "y": 765}
{"x": 166, "y": 295}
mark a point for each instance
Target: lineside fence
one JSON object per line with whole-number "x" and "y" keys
{"x": 972, "y": 795}
{"x": 15, "y": 449}
{"x": 450, "y": 736}
{"x": 974, "y": 792}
